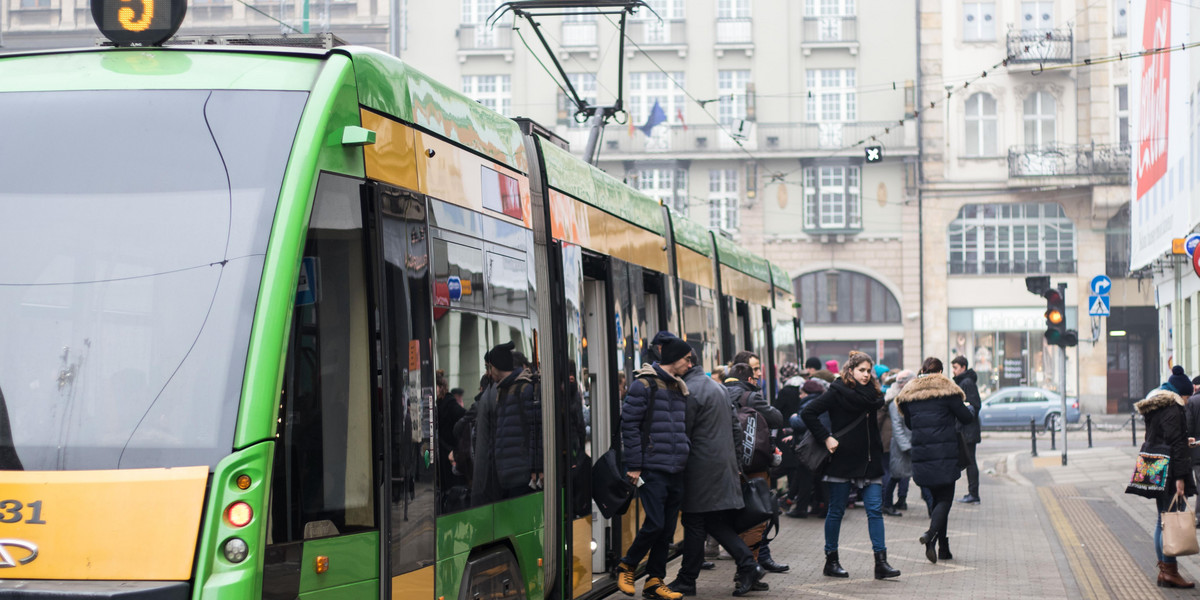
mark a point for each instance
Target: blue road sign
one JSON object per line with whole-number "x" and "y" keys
{"x": 1098, "y": 306}
{"x": 454, "y": 287}
{"x": 1101, "y": 285}
{"x": 1191, "y": 242}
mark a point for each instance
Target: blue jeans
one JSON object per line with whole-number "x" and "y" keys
{"x": 1163, "y": 504}
{"x": 661, "y": 494}
{"x": 872, "y": 497}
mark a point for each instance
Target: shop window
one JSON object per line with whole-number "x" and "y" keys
{"x": 1011, "y": 239}
{"x": 832, "y": 297}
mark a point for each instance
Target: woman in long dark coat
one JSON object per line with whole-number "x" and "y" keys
{"x": 932, "y": 405}
{"x": 852, "y": 402}
{"x": 1166, "y": 425}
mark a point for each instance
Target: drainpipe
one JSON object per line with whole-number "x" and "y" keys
{"x": 920, "y": 184}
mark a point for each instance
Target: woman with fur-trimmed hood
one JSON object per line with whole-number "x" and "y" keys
{"x": 932, "y": 404}
{"x": 1166, "y": 425}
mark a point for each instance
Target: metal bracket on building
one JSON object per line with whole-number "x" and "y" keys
{"x": 599, "y": 115}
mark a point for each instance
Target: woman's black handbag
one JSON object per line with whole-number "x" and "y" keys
{"x": 760, "y": 505}
{"x": 611, "y": 489}
{"x": 814, "y": 454}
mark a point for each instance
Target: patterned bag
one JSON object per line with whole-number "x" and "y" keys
{"x": 1150, "y": 475}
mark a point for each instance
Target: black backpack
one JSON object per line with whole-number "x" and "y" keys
{"x": 755, "y": 450}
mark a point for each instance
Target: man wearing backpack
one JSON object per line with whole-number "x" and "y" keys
{"x": 654, "y": 436}
{"x": 508, "y": 442}
{"x": 756, "y": 419}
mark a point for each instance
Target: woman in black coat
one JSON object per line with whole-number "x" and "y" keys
{"x": 933, "y": 405}
{"x": 857, "y": 458}
{"x": 1166, "y": 425}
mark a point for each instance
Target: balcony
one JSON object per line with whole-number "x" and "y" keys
{"x": 788, "y": 139}
{"x": 830, "y": 32}
{"x": 1108, "y": 162}
{"x": 655, "y": 35}
{"x": 1041, "y": 46}
{"x": 735, "y": 34}
{"x": 579, "y": 36}
{"x": 1031, "y": 266}
{"x": 477, "y": 39}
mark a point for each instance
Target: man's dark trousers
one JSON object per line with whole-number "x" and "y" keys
{"x": 972, "y": 471}
{"x": 661, "y": 495}
{"x": 696, "y": 526}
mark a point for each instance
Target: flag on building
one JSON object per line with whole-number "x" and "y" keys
{"x": 679, "y": 116}
{"x": 657, "y": 115}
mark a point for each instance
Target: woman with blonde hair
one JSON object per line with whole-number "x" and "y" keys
{"x": 857, "y": 456}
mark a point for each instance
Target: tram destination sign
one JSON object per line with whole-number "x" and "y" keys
{"x": 138, "y": 22}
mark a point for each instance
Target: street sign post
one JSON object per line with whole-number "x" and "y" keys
{"x": 1101, "y": 285}
{"x": 1099, "y": 306}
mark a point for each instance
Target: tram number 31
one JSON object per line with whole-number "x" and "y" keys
{"x": 13, "y": 511}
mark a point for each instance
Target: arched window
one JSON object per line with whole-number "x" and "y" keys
{"x": 846, "y": 297}
{"x": 981, "y": 125}
{"x": 1039, "y": 119}
{"x": 1011, "y": 238}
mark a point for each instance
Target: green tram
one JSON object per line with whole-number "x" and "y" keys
{"x": 239, "y": 280}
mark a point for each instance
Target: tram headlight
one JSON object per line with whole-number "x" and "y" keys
{"x": 594, "y": 546}
{"x": 235, "y": 550}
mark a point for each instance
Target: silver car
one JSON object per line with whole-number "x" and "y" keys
{"x": 1015, "y": 406}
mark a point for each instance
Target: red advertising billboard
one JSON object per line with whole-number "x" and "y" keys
{"x": 1153, "y": 98}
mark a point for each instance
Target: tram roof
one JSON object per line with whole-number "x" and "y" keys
{"x": 780, "y": 278}
{"x": 691, "y": 234}
{"x": 570, "y": 175}
{"x": 740, "y": 259}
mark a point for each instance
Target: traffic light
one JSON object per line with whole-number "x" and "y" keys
{"x": 1057, "y": 333}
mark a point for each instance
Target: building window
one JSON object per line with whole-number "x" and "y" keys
{"x": 831, "y": 96}
{"x": 733, "y": 9}
{"x": 476, "y": 12}
{"x": 723, "y": 199}
{"x": 1120, "y": 22}
{"x": 979, "y": 21}
{"x": 1117, "y": 246}
{"x": 982, "y": 125}
{"x": 829, "y": 8}
{"x": 668, "y": 186}
{"x": 585, "y": 86}
{"x": 35, "y": 3}
{"x": 832, "y": 198}
{"x": 647, "y": 88}
{"x": 666, "y": 9}
{"x": 1037, "y": 15}
{"x": 492, "y": 91}
{"x": 1039, "y": 119}
{"x": 833, "y": 297}
{"x": 731, "y": 87}
{"x": 1011, "y": 238}
{"x": 1123, "y": 114}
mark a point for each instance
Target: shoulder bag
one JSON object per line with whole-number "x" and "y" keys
{"x": 1179, "y": 530}
{"x": 813, "y": 454}
{"x": 1150, "y": 472}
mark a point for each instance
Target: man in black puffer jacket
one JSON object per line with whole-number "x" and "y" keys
{"x": 654, "y": 434}
{"x": 508, "y": 443}
{"x": 966, "y": 379}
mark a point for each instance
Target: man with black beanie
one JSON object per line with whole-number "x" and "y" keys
{"x": 508, "y": 442}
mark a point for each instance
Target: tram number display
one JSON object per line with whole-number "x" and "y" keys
{"x": 138, "y": 22}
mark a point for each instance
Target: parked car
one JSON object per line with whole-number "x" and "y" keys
{"x": 1015, "y": 406}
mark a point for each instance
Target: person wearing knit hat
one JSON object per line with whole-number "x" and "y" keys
{"x": 674, "y": 349}
{"x": 1180, "y": 382}
{"x": 508, "y": 455}
{"x": 831, "y": 365}
{"x": 501, "y": 356}
{"x": 788, "y": 370}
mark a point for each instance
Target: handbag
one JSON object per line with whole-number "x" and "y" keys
{"x": 964, "y": 457}
{"x": 1179, "y": 530}
{"x": 611, "y": 489}
{"x": 1150, "y": 473}
{"x": 814, "y": 454}
{"x": 760, "y": 505}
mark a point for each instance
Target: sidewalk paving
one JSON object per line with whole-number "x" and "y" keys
{"x": 1042, "y": 531}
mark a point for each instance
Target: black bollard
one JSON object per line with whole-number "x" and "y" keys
{"x": 1133, "y": 426}
{"x": 1033, "y": 435}
{"x": 1052, "y": 442}
{"x": 1089, "y": 426}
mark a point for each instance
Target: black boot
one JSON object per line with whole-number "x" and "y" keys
{"x": 882, "y": 569}
{"x": 832, "y": 567}
{"x": 944, "y": 549}
{"x": 930, "y": 547}
{"x": 743, "y": 582}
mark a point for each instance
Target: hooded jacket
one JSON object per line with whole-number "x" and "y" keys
{"x": 1166, "y": 424}
{"x": 967, "y": 381}
{"x": 933, "y": 406}
{"x": 900, "y": 458}
{"x": 711, "y": 477}
{"x": 860, "y": 451}
{"x": 508, "y": 442}
{"x": 668, "y": 445}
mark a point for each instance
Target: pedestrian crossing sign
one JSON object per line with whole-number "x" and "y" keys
{"x": 1098, "y": 306}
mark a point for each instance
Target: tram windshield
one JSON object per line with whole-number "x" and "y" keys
{"x": 133, "y": 225}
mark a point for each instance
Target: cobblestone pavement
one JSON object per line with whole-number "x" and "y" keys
{"x": 1042, "y": 531}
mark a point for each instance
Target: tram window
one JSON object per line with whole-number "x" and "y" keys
{"x": 507, "y": 285}
{"x": 458, "y": 275}
{"x": 324, "y": 483}
{"x": 700, "y": 322}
